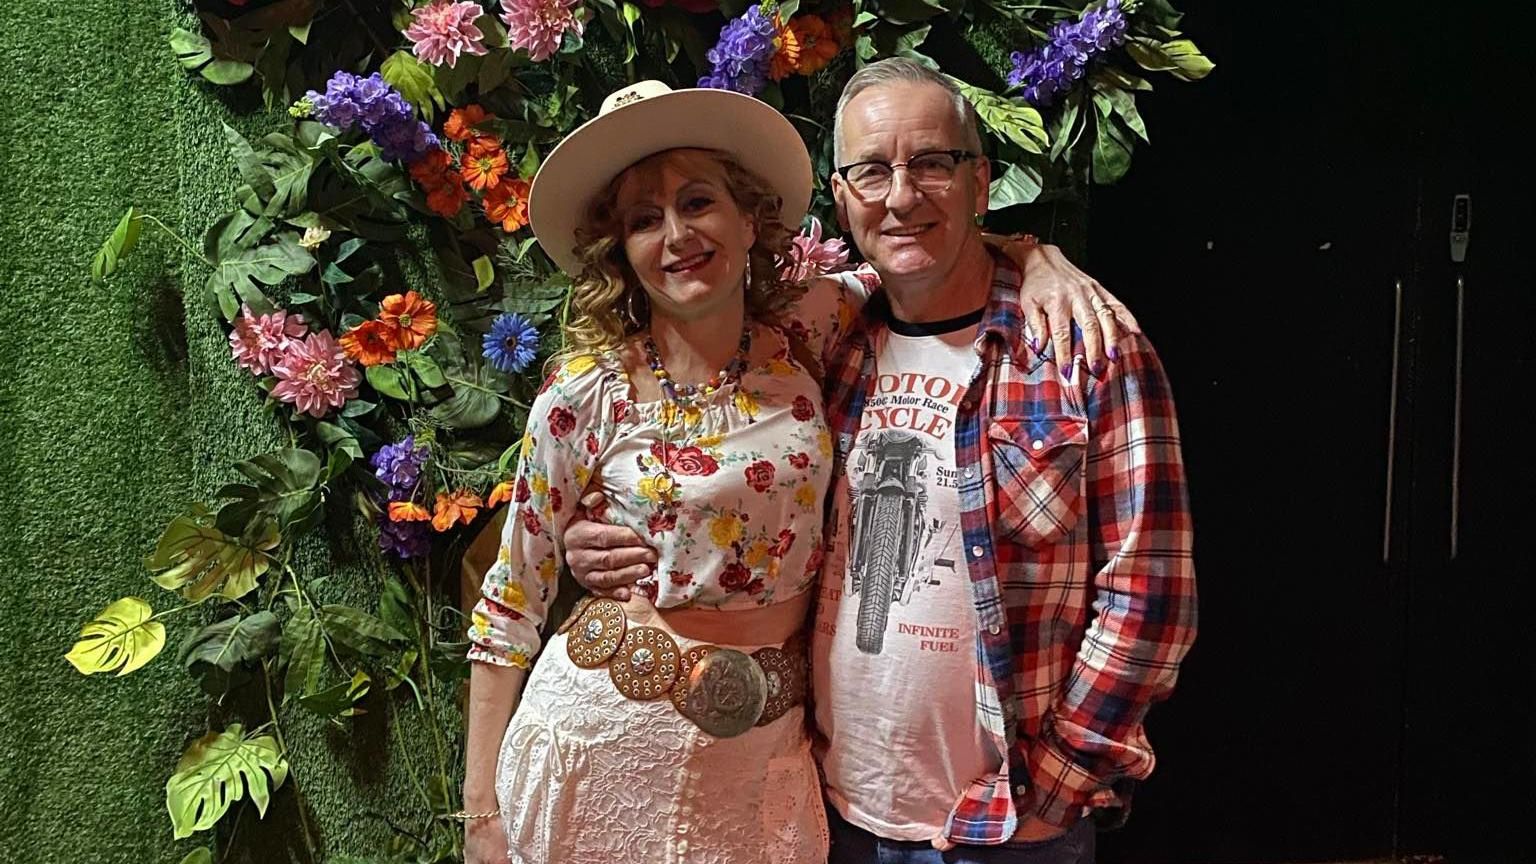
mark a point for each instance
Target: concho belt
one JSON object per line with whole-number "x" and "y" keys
{"x": 723, "y": 691}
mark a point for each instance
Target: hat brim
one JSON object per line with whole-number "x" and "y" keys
{"x": 581, "y": 167}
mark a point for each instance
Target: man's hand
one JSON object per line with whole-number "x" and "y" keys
{"x": 1055, "y": 293}
{"x": 606, "y": 559}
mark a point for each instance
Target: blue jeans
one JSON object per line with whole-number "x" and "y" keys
{"x": 854, "y": 845}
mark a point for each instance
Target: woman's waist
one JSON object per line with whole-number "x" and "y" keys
{"x": 753, "y": 626}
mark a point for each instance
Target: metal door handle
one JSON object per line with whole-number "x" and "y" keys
{"x": 1397, "y": 330}
{"x": 1461, "y": 308}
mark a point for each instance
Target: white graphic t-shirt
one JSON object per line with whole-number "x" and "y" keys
{"x": 894, "y": 644}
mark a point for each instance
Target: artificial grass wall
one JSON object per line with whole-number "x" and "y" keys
{"x": 120, "y": 407}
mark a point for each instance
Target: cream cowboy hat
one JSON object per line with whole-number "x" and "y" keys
{"x": 648, "y": 117}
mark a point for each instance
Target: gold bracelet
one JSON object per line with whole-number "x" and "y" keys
{"x": 465, "y": 817}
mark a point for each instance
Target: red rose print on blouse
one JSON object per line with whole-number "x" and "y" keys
{"x": 687, "y": 461}
{"x": 755, "y": 587}
{"x": 813, "y": 566}
{"x": 554, "y": 499}
{"x": 760, "y": 475}
{"x": 620, "y": 410}
{"x": 800, "y": 461}
{"x": 592, "y": 443}
{"x": 561, "y": 422}
{"x": 522, "y": 491}
{"x": 680, "y": 578}
{"x": 735, "y": 576}
{"x": 803, "y": 409}
{"x": 661, "y": 521}
{"x": 531, "y": 521}
{"x": 781, "y": 548}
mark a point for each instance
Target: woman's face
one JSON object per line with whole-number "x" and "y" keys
{"x": 683, "y": 233}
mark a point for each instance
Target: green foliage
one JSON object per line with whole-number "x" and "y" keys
{"x": 321, "y": 224}
{"x": 219, "y": 769}
{"x": 122, "y": 638}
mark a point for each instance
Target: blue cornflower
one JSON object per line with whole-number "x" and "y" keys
{"x": 1052, "y": 67}
{"x": 384, "y": 115}
{"x": 512, "y": 343}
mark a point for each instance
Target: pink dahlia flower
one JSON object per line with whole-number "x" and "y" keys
{"x": 315, "y": 375}
{"x": 443, "y": 30}
{"x": 259, "y": 341}
{"x": 537, "y": 26}
{"x": 810, "y": 256}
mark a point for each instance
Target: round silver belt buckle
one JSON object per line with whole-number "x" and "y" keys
{"x": 726, "y": 693}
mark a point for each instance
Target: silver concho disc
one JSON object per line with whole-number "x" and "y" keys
{"x": 726, "y": 693}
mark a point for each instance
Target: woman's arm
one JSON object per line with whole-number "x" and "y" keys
{"x": 493, "y": 696}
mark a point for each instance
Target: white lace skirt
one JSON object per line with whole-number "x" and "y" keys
{"x": 586, "y": 776}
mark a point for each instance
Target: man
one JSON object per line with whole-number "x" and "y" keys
{"x": 1009, "y": 584}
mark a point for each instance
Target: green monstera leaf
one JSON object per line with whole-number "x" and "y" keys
{"x": 219, "y": 769}
{"x": 121, "y": 638}
{"x": 286, "y": 486}
{"x": 197, "y": 559}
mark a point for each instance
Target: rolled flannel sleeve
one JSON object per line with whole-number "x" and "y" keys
{"x": 1144, "y": 594}
{"x": 557, "y": 461}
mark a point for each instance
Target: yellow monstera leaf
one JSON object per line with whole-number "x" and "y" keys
{"x": 120, "y": 639}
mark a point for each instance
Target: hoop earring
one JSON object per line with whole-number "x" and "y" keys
{"x": 633, "y": 315}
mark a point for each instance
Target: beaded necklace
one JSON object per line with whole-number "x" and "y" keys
{"x": 690, "y": 392}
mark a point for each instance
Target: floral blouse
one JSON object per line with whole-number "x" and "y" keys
{"x": 728, "y": 488}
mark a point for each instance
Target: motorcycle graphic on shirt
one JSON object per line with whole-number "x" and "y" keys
{"x": 889, "y": 496}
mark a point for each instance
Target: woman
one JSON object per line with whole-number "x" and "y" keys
{"x": 669, "y": 726}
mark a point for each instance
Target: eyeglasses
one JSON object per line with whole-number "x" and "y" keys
{"x": 932, "y": 172}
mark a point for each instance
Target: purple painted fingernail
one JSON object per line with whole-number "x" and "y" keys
{"x": 1114, "y": 353}
{"x": 1034, "y": 344}
{"x": 1066, "y": 371}
{"x": 1099, "y": 366}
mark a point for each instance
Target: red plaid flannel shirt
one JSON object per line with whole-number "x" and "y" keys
{"x": 1078, "y": 540}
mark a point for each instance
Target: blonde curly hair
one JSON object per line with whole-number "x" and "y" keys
{"x": 607, "y": 291}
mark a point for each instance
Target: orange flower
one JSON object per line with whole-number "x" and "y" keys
{"x": 482, "y": 145}
{"x": 788, "y": 56}
{"x": 502, "y": 492}
{"x": 484, "y": 169}
{"x": 461, "y": 506}
{"x": 369, "y": 343}
{"x": 410, "y": 318}
{"x": 407, "y": 511}
{"x": 461, "y": 122}
{"x": 507, "y": 205}
{"x": 434, "y": 168}
{"x": 818, "y": 45}
{"x": 438, "y": 173}
{"x": 447, "y": 199}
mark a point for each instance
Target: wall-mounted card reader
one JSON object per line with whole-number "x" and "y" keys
{"x": 1461, "y": 226}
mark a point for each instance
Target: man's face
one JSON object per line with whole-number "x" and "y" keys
{"x": 910, "y": 235}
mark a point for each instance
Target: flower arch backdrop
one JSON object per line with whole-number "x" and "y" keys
{"x": 416, "y": 129}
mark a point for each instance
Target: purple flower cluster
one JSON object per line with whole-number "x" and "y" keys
{"x": 743, "y": 55}
{"x": 1050, "y": 69}
{"x": 383, "y": 114}
{"x": 399, "y": 466}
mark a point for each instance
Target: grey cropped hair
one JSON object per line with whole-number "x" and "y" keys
{"x": 894, "y": 70}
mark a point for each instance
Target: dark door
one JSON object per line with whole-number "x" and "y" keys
{"x": 1469, "y": 756}
{"x": 1265, "y": 240}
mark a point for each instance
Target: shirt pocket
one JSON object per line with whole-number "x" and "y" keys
{"x": 1038, "y": 476}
